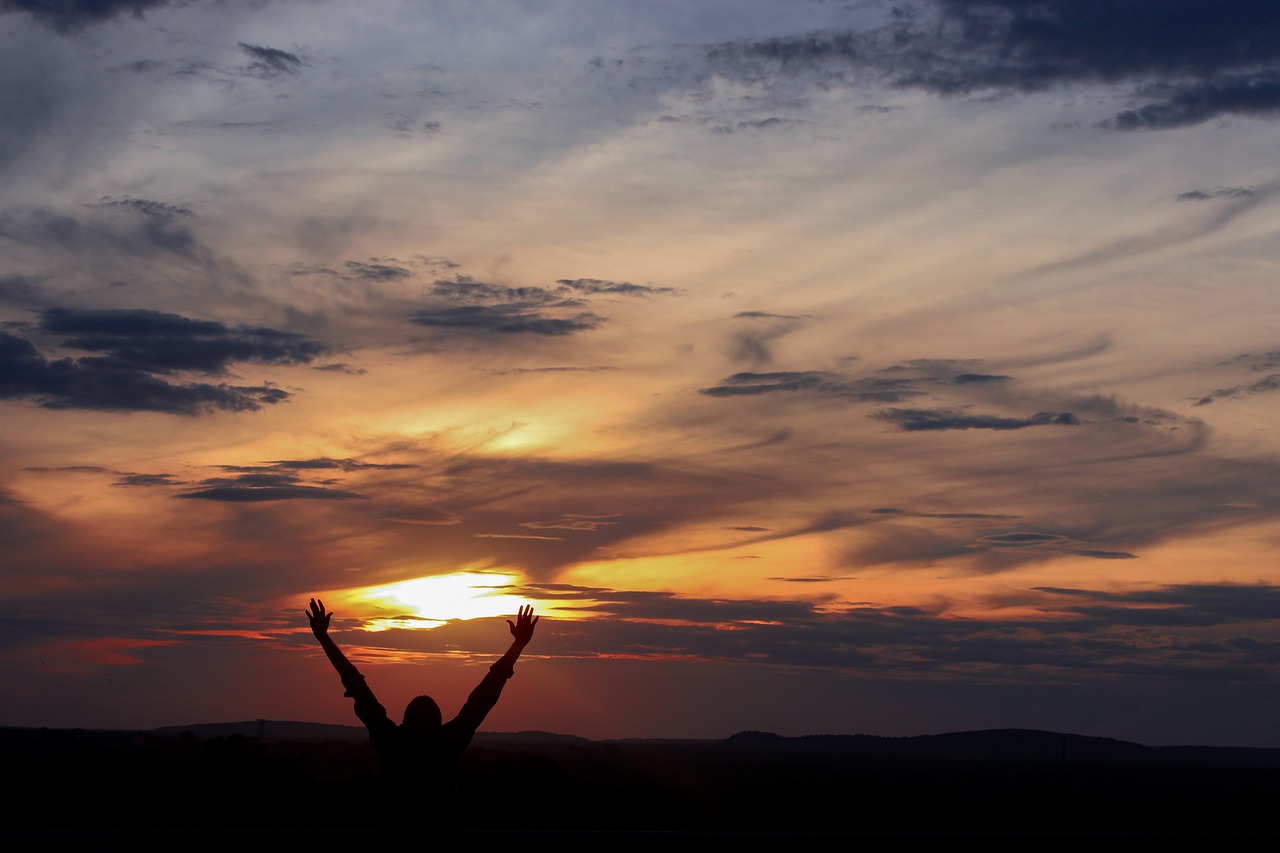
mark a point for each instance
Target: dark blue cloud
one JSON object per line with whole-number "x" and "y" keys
{"x": 1254, "y": 95}
{"x": 377, "y": 271}
{"x": 70, "y": 15}
{"x": 269, "y": 483}
{"x": 347, "y": 465}
{"x": 1189, "y": 60}
{"x": 617, "y": 288}
{"x": 485, "y": 307}
{"x": 1262, "y": 386}
{"x": 932, "y": 420}
{"x": 873, "y": 389}
{"x": 269, "y": 61}
{"x": 505, "y": 319}
{"x": 135, "y": 353}
{"x": 257, "y": 494}
{"x": 103, "y": 386}
{"x": 553, "y": 311}
{"x": 1217, "y": 192}
{"x": 140, "y": 339}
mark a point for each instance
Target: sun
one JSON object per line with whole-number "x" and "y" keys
{"x": 431, "y": 601}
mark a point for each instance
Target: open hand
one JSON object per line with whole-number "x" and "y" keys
{"x": 522, "y": 628}
{"x": 319, "y": 619}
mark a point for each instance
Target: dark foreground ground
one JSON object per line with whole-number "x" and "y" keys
{"x": 117, "y": 790}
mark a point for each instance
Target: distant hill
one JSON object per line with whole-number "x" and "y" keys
{"x": 497, "y": 738}
{"x": 297, "y": 731}
{"x": 989, "y": 745}
{"x": 1000, "y": 745}
{"x": 271, "y": 730}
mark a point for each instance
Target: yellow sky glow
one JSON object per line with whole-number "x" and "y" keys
{"x": 424, "y": 603}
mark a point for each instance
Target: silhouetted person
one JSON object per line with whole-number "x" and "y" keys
{"x": 419, "y": 755}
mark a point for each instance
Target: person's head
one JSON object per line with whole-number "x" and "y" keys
{"x": 422, "y": 714}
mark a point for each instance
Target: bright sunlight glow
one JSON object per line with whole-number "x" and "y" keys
{"x": 430, "y": 602}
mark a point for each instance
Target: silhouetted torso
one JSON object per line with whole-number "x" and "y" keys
{"x": 420, "y": 764}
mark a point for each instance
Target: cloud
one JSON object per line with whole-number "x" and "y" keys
{"x": 151, "y": 226}
{"x": 497, "y": 308}
{"x": 265, "y": 485}
{"x": 1111, "y": 476}
{"x": 751, "y": 342}
{"x": 272, "y": 481}
{"x": 289, "y": 472}
{"x": 102, "y": 385}
{"x": 162, "y": 223}
{"x": 147, "y": 207}
{"x": 1197, "y": 59}
{"x": 772, "y": 122}
{"x": 141, "y": 339}
{"x": 1053, "y": 541}
{"x": 268, "y": 62}
{"x": 505, "y": 371}
{"x": 922, "y": 420}
{"x": 1076, "y": 632}
{"x": 812, "y": 580}
{"x": 505, "y": 319}
{"x": 340, "y": 367}
{"x": 1257, "y": 362}
{"x": 1267, "y": 384}
{"x": 67, "y": 16}
{"x": 146, "y": 480}
{"x": 134, "y": 350}
{"x": 617, "y": 288}
{"x": 258, "y": 493}
{"x": 574, "y": 521}
{"x": 765, "y": 315}
{"x": 972, "y": 378}
{"x": 121, "y": 238}
{"x": 889, "y": 510}
{"x": 325, "y": 463}
{"x": 947, "y": 371}
{"x": 17, "y": 289}
{"x": 377, "y": 271}
{"x": 749, "y": 384}
{"x": 466, "y": 289}
{"x": 1254, "y": 96}
{"x": 125, "y": 478}
{"x": 1217, "y": 192}
{"x": 1183, "y": 604}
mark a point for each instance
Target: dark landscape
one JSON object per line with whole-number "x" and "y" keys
{"x": 268, "y": 778}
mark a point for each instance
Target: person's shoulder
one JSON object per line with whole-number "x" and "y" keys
{"x": 457, "y": 733}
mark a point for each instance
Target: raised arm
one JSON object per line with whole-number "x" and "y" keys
{"x": 368, "y": 708}
{"x": 487, "y": 693}
{"x": 521, "y": 633}
{"x": 319, "y": 620}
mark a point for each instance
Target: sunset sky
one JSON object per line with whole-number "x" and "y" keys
{"x": 813, "y": 367}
